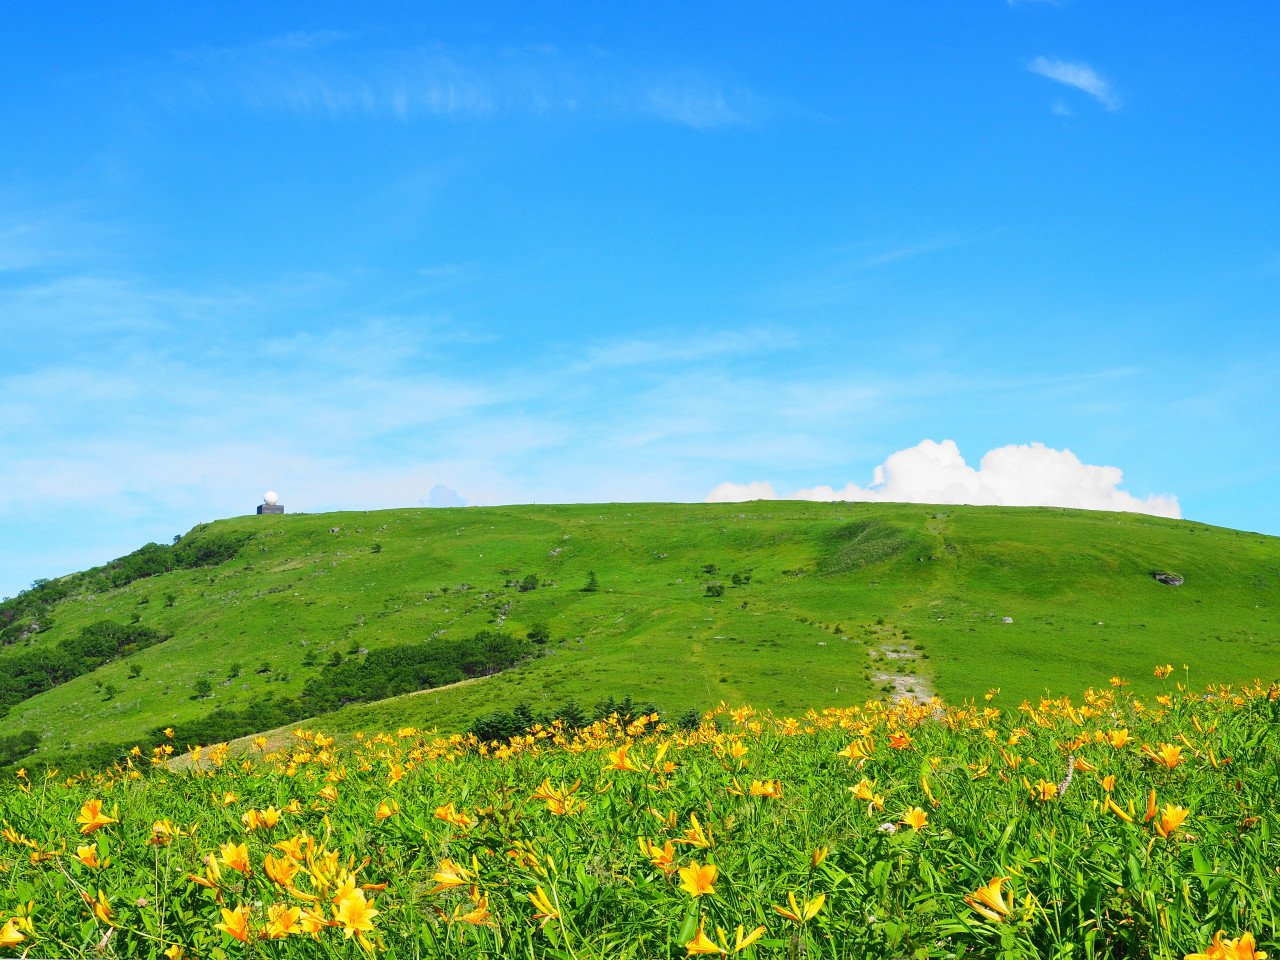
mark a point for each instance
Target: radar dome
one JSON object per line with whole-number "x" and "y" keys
{"x": 271, "y": 497}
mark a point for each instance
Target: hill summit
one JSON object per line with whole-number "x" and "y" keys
{"x": 250, "y": 622}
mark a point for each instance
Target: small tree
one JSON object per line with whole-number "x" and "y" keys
{"x": 528, "y": 583}
{"x": 572, "y": 715}
{"x": 690, "y": 720}
{"x": 715, "y": 589}
{"x": 592, "y": 583}
{"x": 203, "y": 688}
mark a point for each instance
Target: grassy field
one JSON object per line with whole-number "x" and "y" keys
{"x": 1109, "y": 825}
{"x": 832, "y": 603}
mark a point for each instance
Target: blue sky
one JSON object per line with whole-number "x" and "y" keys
{"x": 427, "y": 254}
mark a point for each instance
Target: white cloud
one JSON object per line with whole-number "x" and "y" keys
{"x": 1079, "y": 75}
{"x": 339, "y": 75}
{"x": 1030, "y": 475}
{"x": 737, "y": 492}
{"x": 699, "y": 105}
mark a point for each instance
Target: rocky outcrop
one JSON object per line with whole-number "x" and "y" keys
{"x": 1167, "y": 578}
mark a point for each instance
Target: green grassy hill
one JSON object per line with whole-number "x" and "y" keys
{"x": 823, "y": 604}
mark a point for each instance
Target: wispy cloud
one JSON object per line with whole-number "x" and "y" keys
{"x": 336, "y": 75}
{"x": 683, "y": 349}
{"x": 1079, "y": 75}
{"x": 838, "y": 275}
{"x": 700, "y": 105}
{"x": 49, "y": 239}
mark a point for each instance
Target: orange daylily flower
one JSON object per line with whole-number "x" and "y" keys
{"x": 661, "y": 857}
{"x": 100, "y": 906}
{"x": 618, "y": 760}
{"x": 92, "y": 818}
{"x": 766, "y": 788}
{"x": 990, "y": 901}
{"x": 1043, "y": 791}
{"x": 281, "y": 870}
{"x": 1168, "y": 756}
{"x": 10, "y": 935}
{"x": 916, "y": 819}
{"x": 1241, "y": 948}
{"x": 1171, "y": 819}
{"x": 235, "y": 923}
{"x": 545, "y": 909}
{"x": 858, "y": 750}
{"x": 697, "y": 835}
{"x": 455, "y": 818}
{"x": 741, "y": 942}
{"x": 282, "y": 920}
{"x": 697, "y": 880}
{"x": 312, "y": 922}
{"x": 478, "y": 915}
{"x": 450, "y": 875}
{"x": 89, "y": 856}
{"x": 235, "y": 856}
{"x": 355, "y": 915}
{"x": 701, "y": 944}
{"x": 798, "y": 914}
{"x": 292, "y": 848}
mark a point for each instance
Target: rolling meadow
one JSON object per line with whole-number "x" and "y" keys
{"x": 770, "y": 729}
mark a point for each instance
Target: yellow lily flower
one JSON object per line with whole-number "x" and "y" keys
{"x": 698, "y": 881}
{"x": 798, "y": 914}
{"x": 990, "y": 901}
{"x": 92, "y": 818}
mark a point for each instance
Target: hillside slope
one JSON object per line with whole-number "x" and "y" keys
{"x": 815, "y": 596}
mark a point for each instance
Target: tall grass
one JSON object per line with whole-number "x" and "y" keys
{"x": 1105, "y": 826}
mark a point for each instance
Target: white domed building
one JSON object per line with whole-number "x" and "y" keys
{"x": 271, "y": 503}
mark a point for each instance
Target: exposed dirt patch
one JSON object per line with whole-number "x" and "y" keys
{"x": 897, "y": 667}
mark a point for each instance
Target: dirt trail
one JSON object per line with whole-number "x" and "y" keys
{"x": 894, "y": 663}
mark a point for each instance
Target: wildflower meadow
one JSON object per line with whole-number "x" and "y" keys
{"x": 1103, "y": 826}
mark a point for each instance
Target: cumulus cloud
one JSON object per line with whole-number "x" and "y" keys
{"x": 1079, "y": 75}
{"x": 1030, "y": 475}
{"x": 737, "y": 492}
